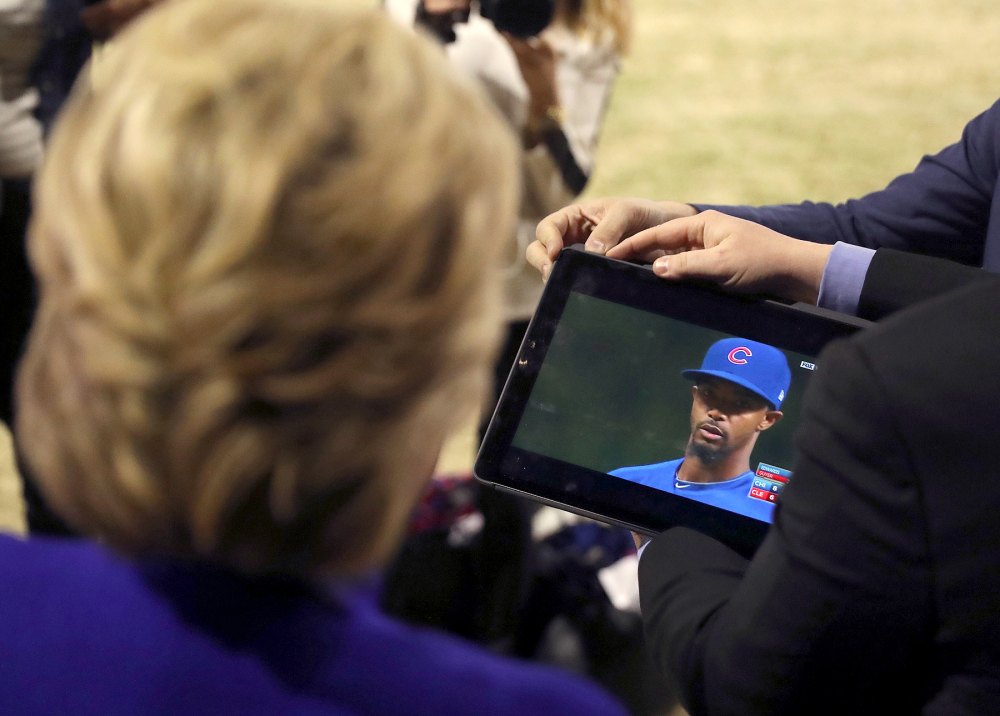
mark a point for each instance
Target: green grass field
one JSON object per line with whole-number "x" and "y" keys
{"x": 771, "y": 100}
{"x": 768, "y": 100}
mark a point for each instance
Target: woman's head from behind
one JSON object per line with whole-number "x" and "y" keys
{"x": 264, "y": 243}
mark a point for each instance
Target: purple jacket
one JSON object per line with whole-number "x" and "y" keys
{"x": 83, "y": 631}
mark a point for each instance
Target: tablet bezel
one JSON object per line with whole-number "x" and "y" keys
{"x": 794, "y": 327}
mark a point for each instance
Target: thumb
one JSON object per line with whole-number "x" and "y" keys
{"x": 608, "y": 232}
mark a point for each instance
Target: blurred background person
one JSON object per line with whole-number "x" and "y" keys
{"x": 233, "y": 386}
{"x": 22, "y": 30}
{"x": 550, "y": 68}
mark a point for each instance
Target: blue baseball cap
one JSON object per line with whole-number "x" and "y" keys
{"x": 758, "y": 367}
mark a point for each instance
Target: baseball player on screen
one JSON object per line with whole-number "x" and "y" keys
{"x": 737, "y": 395}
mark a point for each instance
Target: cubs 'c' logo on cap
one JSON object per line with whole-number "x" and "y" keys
{"x": 736, "y": 355}
{"x": 758, "y": 367}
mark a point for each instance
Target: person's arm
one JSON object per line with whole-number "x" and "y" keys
{"x": 941, "y": 208}
{"x": 875, "y": 284}
{"x": 548, "y": 155}
{"x": 749, "y": 258}
{"x": 569, "y": 82}
{"x": 831, "y": 614}
{"x": 843, "y": 278}
{"x": 585, "y": 75}
{"x": 20, "y": 137}
{"x": 897, "y": 279}
{"x": 736, "y": 254}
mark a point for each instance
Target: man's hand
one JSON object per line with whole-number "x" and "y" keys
{"x": 599, "y": 224}
{"x": 739, "y": 255}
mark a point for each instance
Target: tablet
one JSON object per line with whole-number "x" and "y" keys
{"x": 650, "y": 404}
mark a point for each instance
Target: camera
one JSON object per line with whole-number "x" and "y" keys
{"x": 521, "y": 18}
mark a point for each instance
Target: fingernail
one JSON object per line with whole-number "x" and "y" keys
{"x": 660, "y": 266}
{"x": 595, "y": 246}
{"x": 546, "y": 270}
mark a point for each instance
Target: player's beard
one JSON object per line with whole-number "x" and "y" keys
{"x": 707, "y": 453}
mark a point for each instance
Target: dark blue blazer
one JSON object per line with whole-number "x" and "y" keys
{"x": 948, "y": 206}
{"x": 877, "y": 589}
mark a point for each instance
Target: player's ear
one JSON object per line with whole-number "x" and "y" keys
{"x": 770, "y": 418}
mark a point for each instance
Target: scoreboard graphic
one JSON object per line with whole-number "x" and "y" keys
{"x": 768, "y": 482}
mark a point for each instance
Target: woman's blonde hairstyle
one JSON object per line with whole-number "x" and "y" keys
{"x": 265, "y": 248}
{"x": 606, "y": 22}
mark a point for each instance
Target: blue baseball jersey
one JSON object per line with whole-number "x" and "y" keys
{"x": 733, "y": 495}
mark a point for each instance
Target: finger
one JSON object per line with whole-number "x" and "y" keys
{"x": 539, "y": 258}
{"x": 703, "y": 265}
{"x": 669, "y": 237}
{"x": 610, "y": 230}
{"x": 570, "y": 225}
{"x": 625, "y": 219}
{"x": 550, "y": 232}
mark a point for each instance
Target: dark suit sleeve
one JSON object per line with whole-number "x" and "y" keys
{"x": 830, "y": 615}
{"x": 941, "y": 208}
{"x": 897, "y": 279}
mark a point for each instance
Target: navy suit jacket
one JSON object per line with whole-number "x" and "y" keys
{"x": 877, "y": 589}
{"x": 948, "y": 206}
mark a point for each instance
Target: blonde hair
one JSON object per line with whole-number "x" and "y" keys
{"x": 605, "y": 22}
{"x": 265, "y": 249}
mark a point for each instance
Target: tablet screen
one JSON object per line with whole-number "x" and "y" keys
{"x": 642, "y": 406}
{"x": 651, "y": 404}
